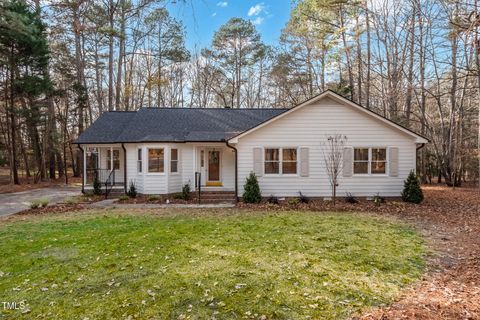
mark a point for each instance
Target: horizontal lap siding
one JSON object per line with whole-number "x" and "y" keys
{"x": 132, "y": 174}
{"x": 309, "y": 127}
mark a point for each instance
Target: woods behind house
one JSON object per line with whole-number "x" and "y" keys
{"x": 63, "y": 63}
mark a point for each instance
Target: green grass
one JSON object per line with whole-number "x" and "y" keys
{"x": 278, "y": 265}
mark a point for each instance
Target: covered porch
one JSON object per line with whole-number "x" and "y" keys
{"x": 106, "y": 163}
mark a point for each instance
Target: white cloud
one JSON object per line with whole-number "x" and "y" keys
{"x": 256, "y": 9}
{"x": 258, "y": 20}
{"x": 214, "y": 14}
{"x": 222, "y": 4}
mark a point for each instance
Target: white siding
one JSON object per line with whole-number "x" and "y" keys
{"x": 132, "y": 171}
{"x": 309, "y": 127}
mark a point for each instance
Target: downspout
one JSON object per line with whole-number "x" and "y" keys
{"x": 83, "y": 168}
{"x": 124, "y": 168}
{"x": 421, "y": 146}
{"x": 236, "y": 169}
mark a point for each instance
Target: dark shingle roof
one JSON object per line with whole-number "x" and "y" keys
{"x": 174, "y": 125}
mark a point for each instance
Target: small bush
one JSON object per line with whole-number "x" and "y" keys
{"x": 293, "y": 202}
{"x": 377, "y": 199}
{"x": 272, "y": 199}
{"x": 39, "y": 203}
{"x": 132, "y": 190}
{"x": 75, "y": 199}
{"x": 412, "y": 192}
{"x": 153, "y": 197}
{"x": 123, "y": 197}
{"x": 252, "y": 190}
{"x": 178, "y": 195}
{"x": 186, "y": 191}
{"x": 350, "y": 198}
{"x": 97, "y": 187}
{"x": 303, "y": 198}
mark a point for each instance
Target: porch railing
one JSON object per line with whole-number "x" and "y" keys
{"x": 105, "y": 177}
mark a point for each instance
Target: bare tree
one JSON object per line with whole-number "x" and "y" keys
{"x": 333, "y": 158}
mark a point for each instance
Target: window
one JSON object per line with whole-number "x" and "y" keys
{"x": 202, "y": 158}
{"x": 155, "y": 160}
{"x": 281, "y": 161}
{"x": 139, "y": 160}
{"x": 116, "y": 159}
{"x": 360, "y": 161}
{"x": 272, "y": 161}
{"x": 174, "y": 160}
{"x": 289, "y": 161}
{"x": 370, "y": 161}
{"x": 379, "y": 160}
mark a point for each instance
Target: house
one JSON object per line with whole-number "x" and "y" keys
{"x": 161, "y": 149}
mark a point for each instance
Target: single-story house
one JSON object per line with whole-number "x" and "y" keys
{"x": 162, "y": 149}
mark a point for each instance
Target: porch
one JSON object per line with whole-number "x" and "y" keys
{"x": 104, "y": 163}
{"x": 214, "y": 167}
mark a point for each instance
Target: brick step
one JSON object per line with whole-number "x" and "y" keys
{"x": 216, "y": 196}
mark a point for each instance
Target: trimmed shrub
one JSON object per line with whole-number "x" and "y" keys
{"x": 272, "y": 199}
{"x": 350, "y": 198}
{"x": 303, "y": 198}
{"x": 39, "y": 203}
{"x": 412, "y": 192}
{"x": 132, "y": 190}
{"x": 123, "y": 197}
{"x": 186, "y": 191}
{"x": 293, "y": 202}
{"x": 153, "y": 197}
{"x": 97, "y": 186}
{"x": 252, "y": 190}
{"x": 377, "y": 199}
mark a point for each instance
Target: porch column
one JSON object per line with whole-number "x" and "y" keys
{"x": 111, "y": 158}
{"x": 84, "y": 165}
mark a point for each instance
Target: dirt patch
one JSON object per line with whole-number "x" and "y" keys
{"x": 28, "y": 184}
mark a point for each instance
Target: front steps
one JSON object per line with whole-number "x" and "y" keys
{"x": 215, "y": 196}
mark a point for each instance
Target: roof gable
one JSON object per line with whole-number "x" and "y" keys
{"x": 343, "y": 101}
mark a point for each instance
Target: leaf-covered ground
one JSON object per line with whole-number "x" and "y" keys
{"x": 202, "y": 264}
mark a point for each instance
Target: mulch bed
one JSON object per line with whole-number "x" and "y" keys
{"x": 54, "y": 209}
{"x": 141, "y": 199}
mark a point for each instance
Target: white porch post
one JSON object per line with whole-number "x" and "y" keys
{"x": 85, "y": 165}
{"x": 111, "y": 158}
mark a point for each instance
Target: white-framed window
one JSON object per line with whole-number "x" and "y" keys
{"x": 156, "y": 160}
{"x": 370, "y": 161}
{"x": 139, "y": 160}
{"x": 116, "y": 159}
{"x": 280, "y": 161}
{"x": 174, "y": 160}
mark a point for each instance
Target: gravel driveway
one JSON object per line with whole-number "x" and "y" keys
{"x": 11, "y": 203}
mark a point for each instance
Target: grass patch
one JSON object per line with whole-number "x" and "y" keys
{"x": 282, "y": 266}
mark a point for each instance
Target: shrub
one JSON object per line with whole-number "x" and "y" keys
{"x": 123, "y": 197}
{"x": 272, "y": 199}
{"x": 97, "y": 186}
{"x": 293, "y": 201}
{"x": 73, "y": 200}
{"x": 377, "y": 199}
{"x": 39, "y": 203}
{"x": 350, "y": 198}
{"x": 303, "y": 198}
{"x": 412, "y": 192}
{"x": 178, "y": 195}
{"x": 132, "y": 190}
{"x": 186, "y": 191}
{"x": 153, "y": 197}
{"x": 252, "y": 190}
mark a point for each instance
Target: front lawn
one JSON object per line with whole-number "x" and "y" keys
{"x": 242, "y": 264}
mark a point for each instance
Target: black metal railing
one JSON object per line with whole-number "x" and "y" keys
{"x": 109, "y": 183}
{"x": 198, "y": 184}
{"x": 105, "y": 177}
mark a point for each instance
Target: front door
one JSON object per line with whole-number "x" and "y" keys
{"x": 213, "y": 167}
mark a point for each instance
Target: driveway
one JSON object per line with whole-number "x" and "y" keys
{"x": 11, "y": 203}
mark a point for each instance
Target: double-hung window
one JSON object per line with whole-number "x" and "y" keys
{"x": 139, "y": 160}
{"x": 174, "y": 160}
{"x": 370, "y": 161}
{"x": 116, "y": 159}
{"x": 156, "y": 160}
{"x": 280, "y": 161}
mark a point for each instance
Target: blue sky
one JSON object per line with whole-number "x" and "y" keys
{"x": 203, "y": 17}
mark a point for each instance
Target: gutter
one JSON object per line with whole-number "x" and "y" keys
{"x": 421, "y": 146}
{"x": 236, "y": 169}
{"x": 83, "y": 168}
{"x": 124, "y": 167}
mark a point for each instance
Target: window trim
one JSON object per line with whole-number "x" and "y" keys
{"x": 148, "y": 172}
{"x": 280, "y": 162}
{"x": 369, "y": 173}
{"x": 177, "y": 161}
{"x": 109, "y": 155}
